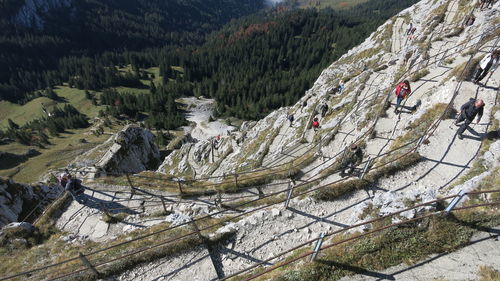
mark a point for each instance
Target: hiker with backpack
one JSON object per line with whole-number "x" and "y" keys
{"x": 290, "y": 118}
{"x": 402, "y": 91}
{"x": 489, "y": 62}
{"x": 353, "y": 158}
{"x": 72, "y": 185}
{"x": 315, "y": 124}
{"x": 468, "y": 112}
{"x": 323, "y": 109}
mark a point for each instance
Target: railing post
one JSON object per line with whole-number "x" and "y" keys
{"x": 290, "y": 193}
{"x": 87, "y": 263}
{"x": 366, "y": 168}
{"x": 212, "y": 149}
{"x": 236, "y": 180}
{"x": 180, "y": 185}
{"x": 454, "y": 202}
{"x": 319, "y": 148}
{"x": 132, "y": 188}
{"x": 197, "y": 230}
{"x": 319, "y": 242}
{"x": 164, "y": 207}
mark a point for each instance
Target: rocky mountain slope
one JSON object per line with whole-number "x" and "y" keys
{"x": 410, "y": 157}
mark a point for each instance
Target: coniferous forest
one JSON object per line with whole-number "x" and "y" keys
{"x": 251, "y": 65}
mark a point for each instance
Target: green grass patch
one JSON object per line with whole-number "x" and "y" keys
{"x": 62, "y": 150}
{"x": 388, "y": 168}
{"x": 488, "y": 273}
{"x": 419, "y": 75}
{"x": 113, "y": 218}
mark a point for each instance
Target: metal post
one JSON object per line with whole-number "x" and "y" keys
{"x": 212, "y": 150}
{"x": 132, "y": 188}
{"x": 259, "y": 190}
{"x": 455, "y": 201}
{"x": 236, "y": 179}
{"x": 164, "y": 207}
{"x": 319, "y": 242}
{"x": 367, "y": 166}
{"x": 290, "y": 192}
{"x": 196, "y": 229}
{"x": 87, "y": 263}
{"x": 180, "y": 185}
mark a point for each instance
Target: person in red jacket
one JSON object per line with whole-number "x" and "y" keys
{"x": 315, "y": 123}
{"x": 402, "y": 91}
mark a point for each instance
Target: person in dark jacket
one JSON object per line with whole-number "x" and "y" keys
{"x": 290, "y": 118}
{"x": 468, "y": 112}
{"x": 324, "y": 109}
{"x": 353, "y": 158}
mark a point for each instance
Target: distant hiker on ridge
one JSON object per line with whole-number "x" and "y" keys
{"x": 412, "y": 33}
{"x": 410, "y": 26}
{"x": 402, "y": 91}
{"x": 290, "y": 118}
{"x": 468, "y": 111}
{"x": 489, "y": 62}
{"x": 353, "y": 158}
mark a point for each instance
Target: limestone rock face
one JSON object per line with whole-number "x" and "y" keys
{"x": 131, "y": 150}
{"x": 20, "y": 200}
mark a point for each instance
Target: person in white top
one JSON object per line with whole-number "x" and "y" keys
{"x": 489, "y": 62}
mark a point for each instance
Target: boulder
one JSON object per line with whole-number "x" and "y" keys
{"x": 131, "y": 150}
{"x": 18, "y": 230}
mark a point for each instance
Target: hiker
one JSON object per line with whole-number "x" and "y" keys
{"x": 468, "y": 111}
{"x": 469, "y": 20}
{"x": 353, "y": 158}
{"x": 324, "y": 109}
{"x": 489, "y": 62}
{"x": 341, "y": 86}
{"x": 412, "y": 32}
{"x": 402, "y": 91}
{"x": 72, "y": 185}
{"x": 290, "y": 118}
{"x": 216, "y": 142}
{"x": 315, "y": 123}
{"x": 410, "y": 26}
{"x": 63, "y": 178}
{"x": 408, "y": 56}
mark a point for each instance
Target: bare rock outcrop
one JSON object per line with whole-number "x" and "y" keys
{"x": 19, "y": 201}
{"x": 131, "y": 150}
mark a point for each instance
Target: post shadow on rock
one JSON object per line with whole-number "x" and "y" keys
{"x": 102, "y": 205}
